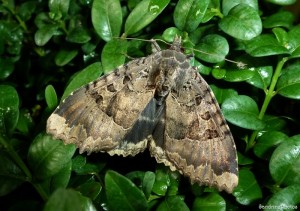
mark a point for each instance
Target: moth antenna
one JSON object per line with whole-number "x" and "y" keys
{"x": 239, "y": 64}
{"x": 176, "y": 43}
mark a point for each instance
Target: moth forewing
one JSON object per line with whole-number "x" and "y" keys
{"x": 160, "y": 102}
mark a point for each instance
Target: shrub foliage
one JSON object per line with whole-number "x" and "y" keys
{"x": 247, "y": 51}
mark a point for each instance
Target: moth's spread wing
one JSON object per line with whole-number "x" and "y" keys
{"x": 196, "y": 140}
{"x": 100, "y": 115}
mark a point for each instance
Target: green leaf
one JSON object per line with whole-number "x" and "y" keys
{"x": 44, "y": 34}
{"x": 162, "y": 182}
{"x": 227, "y": 5}
{"x": 265, "y": 45}
{"x": 188, "y": 14}
{"x": 210, "y": 201}
{"x": 51, "y": 97}
{"x": 9, "y": 109}
{"x": 113, "y": 54}
{"x": 286, "y": 199}
{"x": 88, "y": 74}
{"x": 262, "y": 77}
{"x": 274, "y": 123}
{"x": 90, "y": 189}
{"x": 215, "y": 47}
{"x": 282, "y": 2}
{"x": 293, "y": 38}
{"x": 25, "y": 122}
{"x": 7, "y": 67}
{"x": 143, "y": 14}
{"x": 288, "y": 84}
{"x": 59, "y": 8}
{"x": 107, "y": 18}
{"x": 144, "y": 180}
{"x": 78, "y": 35}
{"x": 148, "y": 182}
{"x": 281, "y": 36}
{"x": 267, "y": 143}
{"x": 27, "y": 9}
{"x": 122, "y": 194}
{"x": 64, "y": 56}
{"x": 173, "y": 203}
{"x": 242, "y": 22}
{"x": 67, "y": 199}
{"x": 244, "y": 160}
{"x": 222, "y": 94}
{"x": 48, "y": 156}
{"x": 279, "y": 19}
{"x": 81, "y": 167}
{"x": 285, "y": 162}
{"x": 238, "y": 75}
{"x": 242, "y": 111}
{"x": 169, "y": 34}
{"x": 11, "y": 175}
{"x": 62, "y": 178}
{"x": 248, "y": 190}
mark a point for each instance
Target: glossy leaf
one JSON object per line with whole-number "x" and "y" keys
{"x": 122, "y": 194}
{"x": 242, "y": 111}
{"x": 67, "y": 199}
{"x": 162, "y": 182}
{"x": 248, "y": 190}
{"x": 265, "y": 45}
{"x": 78, "y": 35}
{"x": 51, "y": 97}
{"x": 44, "y": 34}
{"x": 222, "y": 94}
{"x": 107, "y": 18}
{"x": 144, "y": 180}
{"x": 58, "y": 7}
{"x": 244, "y": 160}
{"x": 143, "y": 14}
{"x": 11, "y": 175}
{"x": 90, "y": 189}
{"x": 7, "y": 67}
{"x": 215, "y": 47}
{"x": 47, "y": 156}
{"x": 267, "y": 143}
{"x": 210, "y": 201}
{"x": 279, "y": 19}
{"x": 227, "y": 5}
{"x": 242, "y": 22}
{"x": 113, "y": 54}
{"x": 293, "y": 37}
{"x": 188, "y": 14}
{"x": 172, "y": 203}
{"x": 274, "y": 123}
{"x": 62, "y": 178}
{"x": 288, "y": 84}
{"x": 25, "y": 122}
{"x": 238, "y": 75}
{"x": 83, "y": 77}
{"x": 64, "y": 56}
{"x": 282, "y": 2}
{"x": 286, "y": 199}
{"x": 9, "y": 109}
{"x": 262, "y": 77}
{"x": 284, "y": 164}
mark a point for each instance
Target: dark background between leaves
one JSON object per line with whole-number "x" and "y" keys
{"x": 48, "y": 49}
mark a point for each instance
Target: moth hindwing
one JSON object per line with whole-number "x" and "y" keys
{"x": 160, "y": 102}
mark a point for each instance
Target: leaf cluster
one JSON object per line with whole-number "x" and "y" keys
{"x": 248, "y": 51}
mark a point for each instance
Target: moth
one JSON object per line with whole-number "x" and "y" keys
{"x": 159, "y": 102}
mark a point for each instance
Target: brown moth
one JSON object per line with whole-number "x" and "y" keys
{"x": 160, "y": 102}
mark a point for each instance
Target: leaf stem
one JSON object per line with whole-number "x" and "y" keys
{"x": 270, "y": 93}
